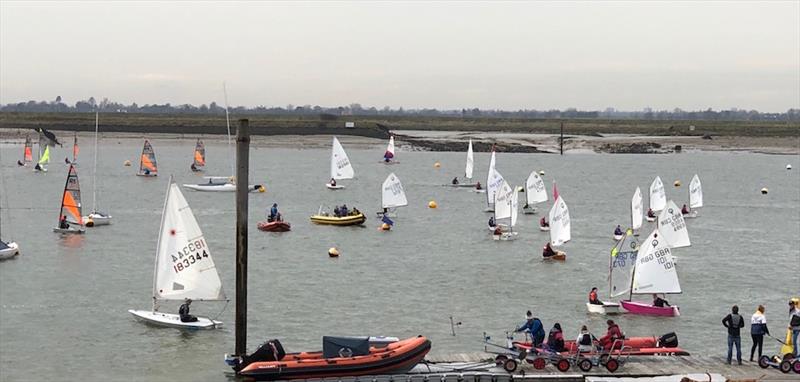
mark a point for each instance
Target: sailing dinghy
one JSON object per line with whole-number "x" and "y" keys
{"x": 673, "y": 227}
{"x": 199, "y": 158}
{"x": 340, "y": 166}
{"x": 653, "y": 272}
{"x": 147, "y": 164}
{"x": 393, "y": 196}
{"x": 560, "y": 225}
{"x": 468, "y": 169}
{"x": 695, "y": 197}
{"x": 494, "y": 181}
{"x": 184, "y": 268}
{"x": 637, "y": 210}
{"x": 620, "y": 263}
{"x": 506, "y": 206}
{"x": 7, "y": 249}
{"x": 44, "y": 157}
{"x": 389, "y": 155}
{"x": 658, "y": 197}
{"x": 70, "y": 219}
{"x": 221, "y": 184}
{"x": 27, "y": 155}
{"x": 96, "y": 218}
{"x": 534, "y": 193}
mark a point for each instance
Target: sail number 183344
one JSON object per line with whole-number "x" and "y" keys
{"x": 193, "y": 252}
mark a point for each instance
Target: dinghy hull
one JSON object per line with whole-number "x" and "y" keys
{"x": 69, "y": 230}
{"x": 339, "y": 221}
{"x": 606, "y": 308}
{"x": 226, "y": 187}
{"x": 94, "y": 220}
{"x": 336, "y": 187}
{"x": 618, "y": 237}
{"x": 528, "y": 210}
{"x": 635, "y": 307}
{"x": 173, "y": 320}
{"x": 395, "y": 358}
{"x": 274, "y": 226}
{"x": 11, "y": 251}
{"x": 559, "y": 256}
{"x": 544, "y": 229}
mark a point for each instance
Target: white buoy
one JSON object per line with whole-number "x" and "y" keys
{"x": 788, "y": 167}
{"x": 764, "y": 191}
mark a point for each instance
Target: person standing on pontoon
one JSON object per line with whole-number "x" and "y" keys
{"x": 535, "y": 329}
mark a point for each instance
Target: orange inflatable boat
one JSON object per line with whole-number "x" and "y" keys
{"x": 341, "y": 356}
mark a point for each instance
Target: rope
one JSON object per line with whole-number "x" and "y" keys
{"x": 223, "y": 309}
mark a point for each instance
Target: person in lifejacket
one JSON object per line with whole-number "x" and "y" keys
{"x": 555, "y": 339}
{"x": 147, "y": 171}
{"x": 585, "y": 340}
{"x": 343, "y": 210}
{"x": 534, "y": 327}
{"x": 333, "y": 182}
{"x": 193, "y": 167}
{"x": 183, "y": 312}
{"x": 547, "y": 250}
{"x": 37, "y": 167}
{"x": 66, "y": 160}
{"x": 273, "y": 212}
{"x": 618, "y": 231}
{"x": 492, "y": 223}
{"x": 478, "y": 186}
{"x": 650, "y": 213}
{"x": 614, "y": 333}
{"x": 685, "y": 210}
{"x": 593, "y": 297}
{"x": 543, "y": 222}
{"x": 19, "y": 163}
{"x": 62, "y": 223}
{"x": 659, "y": 302}
{"x": 455, "y": 181}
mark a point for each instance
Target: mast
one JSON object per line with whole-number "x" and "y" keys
{"x": 158, "y": 246}
{"x": 561, "y": 140}
{"x": 228, "y": 122}
{"x": 94, "y": 169}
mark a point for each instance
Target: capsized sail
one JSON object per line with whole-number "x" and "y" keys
{"x": 673, "y": 227}
{"x": 502, "y": 201}
{"x": 71, "y": 200}
{"x": 148, "y": 160}
{"x": 44, "y": 158}
{"x": 184, "y": 267}
{"x": 637, "y": 209}
{"x": 623, "y": 256}
{"x": 493, "y": 184}
{"x": 535, "y": 191}
{"x": 393, "y": 194}
{"x": 28, "y": 156}
{"x": 560, "y": 227}
{"x": 658, "y": 197}
{"x": 470, "y": 161}
{"x": 695, "y": 193}
{"x": 340, "y": 163}
{"x": 389, "y": 154}
{"x": 199, "y": 154}
{"x": 655, "y": 269}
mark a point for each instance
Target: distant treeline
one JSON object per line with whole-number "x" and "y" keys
{"x": 333, "y": 113}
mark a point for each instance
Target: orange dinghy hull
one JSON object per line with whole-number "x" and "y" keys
{"x": 280, "y": 226}
{"x": 396, "y": 357}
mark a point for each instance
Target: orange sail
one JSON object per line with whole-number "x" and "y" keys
{"x": 199, "y": 154}
{"x": 28, "y": 150}
{"x": 71, "y": 201}
{"x": 75, "y": 149}
{"x": 148, "y": 164}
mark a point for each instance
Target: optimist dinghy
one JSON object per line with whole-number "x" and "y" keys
{"x": 560, "y": 225}
{"x": 654, "y": 272}
{"x": 620, "y": 263}
{"x": 695, "y": 197}
{"x": 390, "y": 156}
{"x": 393, "y": 196}
{"x": 658, "y": 197}
{"x": 184, "y": 268}
{"x": 340, "y": 166}
{"x": 534, "y": 193}
{"x": 70, "y": 206}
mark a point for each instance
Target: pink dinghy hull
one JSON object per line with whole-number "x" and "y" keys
{"x": 650, "y": 310}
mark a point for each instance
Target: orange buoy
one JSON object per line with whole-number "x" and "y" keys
{"x": 432, "y": 204}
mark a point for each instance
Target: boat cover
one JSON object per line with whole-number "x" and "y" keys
{"x": 333, "y": 347}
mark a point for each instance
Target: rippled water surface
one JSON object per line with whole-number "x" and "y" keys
{"x": 64, "y": 301}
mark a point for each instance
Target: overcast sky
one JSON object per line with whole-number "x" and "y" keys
{"x": 626, "y": 55}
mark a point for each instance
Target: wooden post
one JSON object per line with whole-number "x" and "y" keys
{"x": 561, "y": 140}
{"x": 242, "y": 194}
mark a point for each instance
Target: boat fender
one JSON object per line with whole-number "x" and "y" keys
{"x": 432, "y": 204}
{"x": 677, "y": 183}
{"x": 333, "y": 252}
{"x": 260, "y": 188}
{"x": 385, "y": 227}
{"x": 437, "y": 165}
{"x": 127, "y": 163}
{"x": 764, "y": 191}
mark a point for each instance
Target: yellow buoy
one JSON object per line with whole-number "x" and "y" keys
{"x": 432, "y": 204}
{"x": 333, "y": 252}
{"x": 262, "y": 189}
{"x": 126, "y": 163}
{"x": 385, "y": 227}
{"x": 764, "y": 191}
{"x": 437, "y": 165}
{"x": 677, "y": 183}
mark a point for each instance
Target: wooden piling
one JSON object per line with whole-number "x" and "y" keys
{"x": 242, "y": 194}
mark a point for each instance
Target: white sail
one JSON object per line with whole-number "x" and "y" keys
{"x": 655, "y": 270}
{"x": 560, "y": 227}
{"x": 390, "y": 147}
{"x": 340, "y": 163}
{"x": 534, "y": 189}
{"x": 658, "y": 197}
{"x": 695, "y": 193}
{"x": 184, "y": 268}
{"x": 393, "y": 194}
{"x": 514, "y": 208}
{"x": 623, "y": 256}
{"x": 637, "y": 209}
{"x": 673, "y": 226}
{"x": 502, "y": 201}
{"x": 470, "y": 161}
{"x": 493, "y": 184}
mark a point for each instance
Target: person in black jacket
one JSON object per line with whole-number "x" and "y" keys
{"x": 183, "y": 311}
{"x": 734, "y": 322}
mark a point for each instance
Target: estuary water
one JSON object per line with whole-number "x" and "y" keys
{"x": 64, "y": 300}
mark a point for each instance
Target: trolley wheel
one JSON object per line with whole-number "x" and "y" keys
{"x": 585, "y": 364}
{"x": 603, "y": 358}
{"x": 763, "y": 361}
{"x": 786, "y": 366}
{"x": 510, "y": 365}
{"x": 612, "y": 365}
{"x": 796, "y": 366}
{"x": 562, "y": 365}
{"x": 539, "y": 363}
{"x": 500, "y": 359}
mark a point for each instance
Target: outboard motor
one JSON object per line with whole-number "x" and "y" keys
{"x": 271, "y": 350}
{"x": 669, "y": 340}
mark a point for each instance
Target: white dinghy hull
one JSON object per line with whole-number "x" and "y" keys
{"x": 336, "y": 187}
{"x": 97, "y": 219}
{"x": 606, "y": 308}
{"x": 69, "y": 230}
{"x": 173, "y": 320}
{"x": 11, "y": 251}
{"x": 211, "y": 187}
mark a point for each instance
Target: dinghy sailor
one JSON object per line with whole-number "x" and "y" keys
{"x": 455, "y": 181}
{"x": 62, "y": 223}
{"x": 659, "y": 302}
{"x": 685, "y": 210}
{"x": 593, "y": 297}
{"x": 547, "y": 250}
{"x": 183, "y": 311}
{"x": 618, "y": 230}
